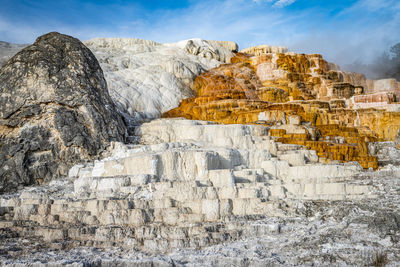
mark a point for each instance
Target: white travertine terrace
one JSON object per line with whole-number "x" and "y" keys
{"x": 263, "y": 49}
{"x": 146, "y": 78}
{"x": 181, "y": 174}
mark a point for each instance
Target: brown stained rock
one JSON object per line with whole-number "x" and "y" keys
{"x": 376, "y": 98}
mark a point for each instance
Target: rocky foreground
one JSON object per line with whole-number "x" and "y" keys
{"x": 281, "y": 159}
{"x": 232, "y": 196}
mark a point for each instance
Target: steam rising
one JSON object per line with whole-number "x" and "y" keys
{"x": 384, "y": 65}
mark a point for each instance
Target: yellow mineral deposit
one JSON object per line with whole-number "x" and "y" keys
{"x": 303, "y": 98}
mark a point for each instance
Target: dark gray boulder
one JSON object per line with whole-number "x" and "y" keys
{"x": 55, "y": 111}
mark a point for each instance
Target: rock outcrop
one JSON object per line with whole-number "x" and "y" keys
{"x": 146, "y": 78}
{"x": 55, "y": 111}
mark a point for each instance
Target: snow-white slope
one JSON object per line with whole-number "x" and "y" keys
{"x": 146, "y": 78}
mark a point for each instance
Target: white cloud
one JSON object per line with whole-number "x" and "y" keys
{"x": 277, "y": 3}
{"x": 283, "y": 3}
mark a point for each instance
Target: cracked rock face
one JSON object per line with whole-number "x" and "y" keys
{"x": 55, "y": 111}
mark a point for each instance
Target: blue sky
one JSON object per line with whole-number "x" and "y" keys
{"x": 342, "y": 30}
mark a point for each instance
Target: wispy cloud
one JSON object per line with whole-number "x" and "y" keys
{"x": 276, "y": 3}
{"x": 283, "y": 3}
